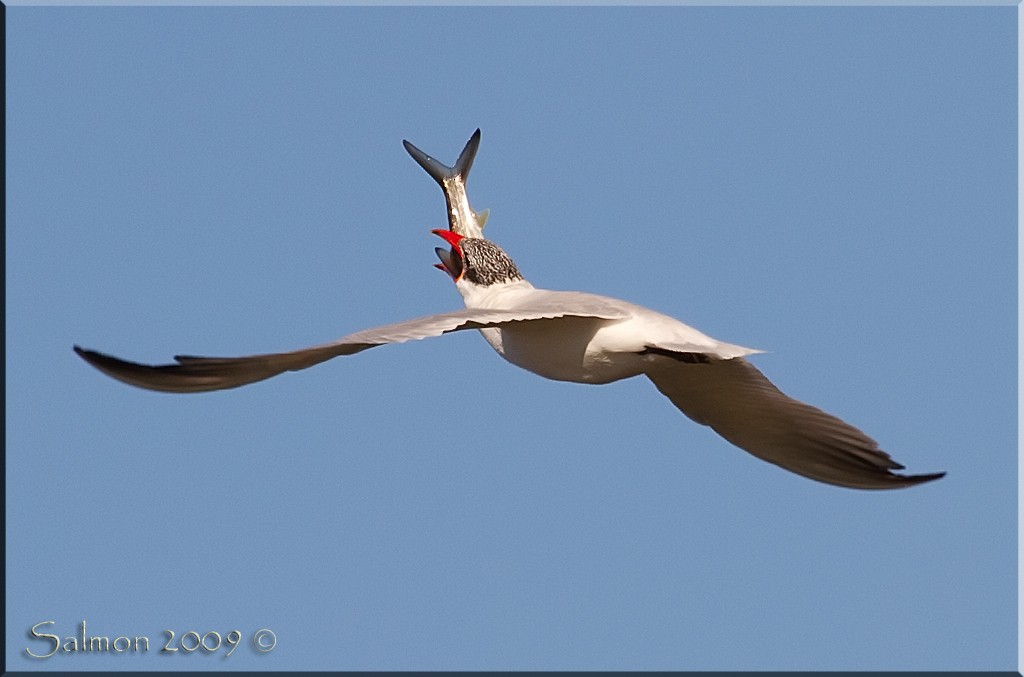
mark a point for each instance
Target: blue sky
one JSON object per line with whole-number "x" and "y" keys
{"x": 835, "y": 186}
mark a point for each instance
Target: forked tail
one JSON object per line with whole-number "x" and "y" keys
{"x": 461, "y": 218}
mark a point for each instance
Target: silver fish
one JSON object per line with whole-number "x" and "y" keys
{"x": 461, "y": 217}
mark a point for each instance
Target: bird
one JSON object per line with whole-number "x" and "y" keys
{"x": 584, "y": 338}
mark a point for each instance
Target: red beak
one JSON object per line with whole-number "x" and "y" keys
{"x": 451, "y": 261}
{"x": 449, "y": 236}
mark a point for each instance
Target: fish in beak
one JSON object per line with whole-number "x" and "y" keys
{"x": 461, "y": 217}
{"x": 452, "y": 260}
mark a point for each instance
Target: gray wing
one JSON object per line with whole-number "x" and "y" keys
{"x": 744, "y": 407}
{"x": 199, "y": 374}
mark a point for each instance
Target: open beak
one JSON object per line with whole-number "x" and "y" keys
{"x": 451, "y": 259}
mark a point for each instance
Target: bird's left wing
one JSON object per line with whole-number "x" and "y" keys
{"x": 191, "y": 374}
{"x": 736, "y": 400}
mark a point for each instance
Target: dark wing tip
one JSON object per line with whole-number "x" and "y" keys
{"x": 103, "y": 362}
{"x": 93, "y": 357}
{"x": 911, "y": 480}
{"x": 170, "y": 378}
{"x": 887, "y": 480}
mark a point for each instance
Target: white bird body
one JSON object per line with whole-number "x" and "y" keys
{"x": 605, "y": 347}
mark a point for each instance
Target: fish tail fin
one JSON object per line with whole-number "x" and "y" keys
{"x": 438, "y": 171}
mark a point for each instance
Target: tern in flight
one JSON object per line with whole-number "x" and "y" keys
{"x": 577, "y": 337}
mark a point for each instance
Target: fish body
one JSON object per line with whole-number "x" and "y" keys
{"x": 461, "y": 217}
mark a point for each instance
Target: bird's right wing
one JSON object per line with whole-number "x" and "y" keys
{"x": 740, "y": 404}
{"x": 190, "y": 374}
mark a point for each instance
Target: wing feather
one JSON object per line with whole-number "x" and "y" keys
{"x": 740, "y": 404}
{"x": 192, "y": 374}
